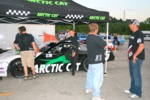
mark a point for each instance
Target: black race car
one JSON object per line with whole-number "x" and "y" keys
{"x": 57, "y": 58}
{"x": 51, "y": 58}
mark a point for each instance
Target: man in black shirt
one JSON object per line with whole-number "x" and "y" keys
{"x": 136, "y": 56}
{"x": 25, "y": 43}
{"x": 75, "y": 42}
{"x": 95, "y": 48}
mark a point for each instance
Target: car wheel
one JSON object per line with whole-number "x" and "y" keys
{"x": 16, "y": 69}
{"x": 85, "y": 64}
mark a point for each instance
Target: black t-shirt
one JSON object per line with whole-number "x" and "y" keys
{"x": 24, "y": 41}
{"x": 74, "y": 41}
{"x": 95, "y": 48}
{"x": 136, "y": 39}
{"x": 115, "y": 38}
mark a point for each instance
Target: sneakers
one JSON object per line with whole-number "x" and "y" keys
{"x": 88, "y": 91}
{"x": 97, "y": 98}
{"x": 134, "y": 96}
{"x": 127, "y": 91}
{"x": 34, "y": 76}
{"x": 27, "y": 78}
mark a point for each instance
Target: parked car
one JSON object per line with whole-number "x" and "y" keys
{"x": 121, "y": 39}
{"x": 51, "y": 58}
{"x": 82, "y": 37}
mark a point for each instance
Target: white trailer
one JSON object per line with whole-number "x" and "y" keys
{"x": 9, "y": 31}
{"x": 146, "y": 35}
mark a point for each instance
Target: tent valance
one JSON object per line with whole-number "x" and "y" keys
{"x": 47, "y": 11}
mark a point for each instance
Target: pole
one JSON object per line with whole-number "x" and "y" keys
{"x": 107, "y": 29}
{"x": 124, "y": 18}
{"x": 73, "y": 25}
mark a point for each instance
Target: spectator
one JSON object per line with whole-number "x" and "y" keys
{"x": 95, "y": 47}
{"x": 67, "y": 34}
{"x": 26, "y": 47}
{"x": 115, "y": 42}
{"x": 61, "y": 36}
{"x": 136, "y": 56}
{"x": 74, "y": 41}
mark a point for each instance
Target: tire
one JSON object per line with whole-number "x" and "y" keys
{"x": 16, "y": 69}
{"x": 85, "y": 64}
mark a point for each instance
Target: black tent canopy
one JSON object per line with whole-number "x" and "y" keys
{"x": 48, "y": 11}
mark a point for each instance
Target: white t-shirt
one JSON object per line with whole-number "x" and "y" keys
{"x": 61, "y": 36}
{"x": 67, "y": 35}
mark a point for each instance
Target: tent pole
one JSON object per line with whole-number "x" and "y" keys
{"x": 107, "y": 29}
{"x": 73, "y": 25}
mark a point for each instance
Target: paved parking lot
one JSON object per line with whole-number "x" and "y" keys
{"x": 63, "y": 86}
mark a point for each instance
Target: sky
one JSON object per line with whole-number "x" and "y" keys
{"x": 124, "y": 9}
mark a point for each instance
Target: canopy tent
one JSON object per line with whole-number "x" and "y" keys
{"x": 48, "y": 11}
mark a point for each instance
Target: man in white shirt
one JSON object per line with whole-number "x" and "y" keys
{"x": 67, "y": 34}
{"x": 61, "y": 36}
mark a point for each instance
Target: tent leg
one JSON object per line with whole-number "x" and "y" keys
{"x": 107, "y": 29}
{"x": 73, "y": 25}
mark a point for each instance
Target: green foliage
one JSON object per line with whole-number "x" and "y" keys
{"x": 115, "y": 26}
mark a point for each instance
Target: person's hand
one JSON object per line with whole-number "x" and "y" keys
{"x": 56, "y": 42}
{"x": 109, "y": 46}
{"x": 17, "y": 48}
{"x": 134, "y": 59}
{"x": 73, "y": 54}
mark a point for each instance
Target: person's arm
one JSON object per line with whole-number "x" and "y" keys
{"x": 35, "y": 47}
{"x": 140, "y": 48}
{"x": 138, "y": 51}
{"x": 16, "y": 46}
{"x": 16, "y": 43}
{"x": 101, "y": 43}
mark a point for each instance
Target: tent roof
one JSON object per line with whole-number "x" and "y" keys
{"x": 48, "y": 11}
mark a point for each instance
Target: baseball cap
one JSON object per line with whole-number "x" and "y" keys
{"x": 134, "y": 21}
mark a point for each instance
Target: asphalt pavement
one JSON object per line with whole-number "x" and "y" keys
{"x": 63, "y": 86}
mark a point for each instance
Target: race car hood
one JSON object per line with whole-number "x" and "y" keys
{"x": 12, "y": 53}
{"x": 8, "y": 54}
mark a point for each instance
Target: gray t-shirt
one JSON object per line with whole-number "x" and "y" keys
{"x": 95, "y": 47}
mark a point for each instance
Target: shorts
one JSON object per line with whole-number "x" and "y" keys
{"x": 27, "y": 58}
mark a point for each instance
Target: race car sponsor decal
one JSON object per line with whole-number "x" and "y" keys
{"x": 132, "y": 37}
{"x": 55, "y": 65}
{"x": 54, "y": 68}
{"x": 56, "y": 60}
{"x": 139, "y": 40}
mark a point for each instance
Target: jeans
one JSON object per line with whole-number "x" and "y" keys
{"x": 73, "y": 63}
{"x": 136, "y": 78}
{"x": 94, "y": 78}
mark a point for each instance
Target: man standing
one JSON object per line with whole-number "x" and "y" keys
{"x": 75, "y": 42}
{"x": 25, "y": 43}
{"x": 95, "y": 47}
{"x": 136, "y": 55}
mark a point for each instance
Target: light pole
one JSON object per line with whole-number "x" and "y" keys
{"x": 124, "y": 13}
